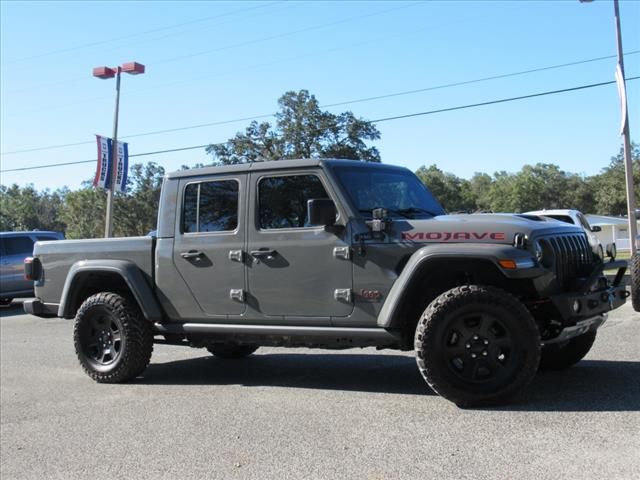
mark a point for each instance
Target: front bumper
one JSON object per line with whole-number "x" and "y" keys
{"x": 591, "y": 301}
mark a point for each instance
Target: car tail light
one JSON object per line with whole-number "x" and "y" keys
{"x": 32, "y": 268}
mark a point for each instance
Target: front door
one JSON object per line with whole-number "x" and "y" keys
{"x": 294, "y": 268}
{"x": 208, "y": 248}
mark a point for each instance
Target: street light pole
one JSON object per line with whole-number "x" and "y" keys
{"x": 628, "y": 164}
{"x": 132, "y": 68}
{"x": 108, "y": 226}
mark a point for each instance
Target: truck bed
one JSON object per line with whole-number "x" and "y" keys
{"x": 58, "y": 257}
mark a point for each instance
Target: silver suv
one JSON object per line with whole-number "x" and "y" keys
{"x": 14, "y": 248}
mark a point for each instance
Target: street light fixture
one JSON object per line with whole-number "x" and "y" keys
{"x": 132, "y": 68}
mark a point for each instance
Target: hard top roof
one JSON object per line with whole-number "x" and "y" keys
{"x": 277, "y": 165}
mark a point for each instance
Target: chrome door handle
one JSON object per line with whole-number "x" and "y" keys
{"x": 191, "y": 254}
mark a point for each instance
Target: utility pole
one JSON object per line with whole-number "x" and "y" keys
{"x": 628, "y": 164}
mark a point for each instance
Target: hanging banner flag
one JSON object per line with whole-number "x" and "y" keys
{"x": 123, "y": 167}
{"x": 622, "y": 93}
{"x": 103, "y": 170}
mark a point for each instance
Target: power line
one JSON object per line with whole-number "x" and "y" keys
{"x": 380, "y": 120}
{"x": 152, "y": 39}
{"x": 502, "y": 100}
{"x": 138, "y": 34}
{"x": 287, "y": 34}
{"x": 360, "y": 100}
{"x": 226, "y": 47}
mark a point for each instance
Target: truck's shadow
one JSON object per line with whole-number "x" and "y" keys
{"x": 592, "y": 385}
{"x": 12, "y": 310}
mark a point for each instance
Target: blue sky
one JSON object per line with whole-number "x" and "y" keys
{"x": 217, "y": 61}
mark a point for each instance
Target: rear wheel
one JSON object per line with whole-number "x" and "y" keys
{"x": 113, "y": 341}
{"x": 477, "y": 346}
{"x": 231, "y": 351}
{"x": 635, "y": 281}
{"x": 566, "y": 354}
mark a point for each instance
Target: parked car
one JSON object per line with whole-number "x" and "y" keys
{"x": 575, "y": 217}
{"x": 14, "y": 248}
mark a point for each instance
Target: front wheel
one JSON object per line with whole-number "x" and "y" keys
{"x": 567, "y": 354}
{"x": 477, "y": 346}
{"x": 113, "y": 340}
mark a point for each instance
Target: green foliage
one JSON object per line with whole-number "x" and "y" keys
{"x": 27, "y": 209}
{"x": 81, "y": 213}
{"x": 452, "y": 192}
{"x": 302, "y": 130}
{"x": 610, "y": 186}
{"x": 535, "y": 187}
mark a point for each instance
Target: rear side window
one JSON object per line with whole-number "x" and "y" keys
{"x": 17, "y": 245}
{"x": 210, "y": 207}
{"x": 283, "y": 200}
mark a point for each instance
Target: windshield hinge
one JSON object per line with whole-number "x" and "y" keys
{"x": 342, "y": 295}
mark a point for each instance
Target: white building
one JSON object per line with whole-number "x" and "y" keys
{"x": 614, "y": 229}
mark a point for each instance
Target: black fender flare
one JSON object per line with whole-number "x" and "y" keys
{"x": 127, "y": 270}
{"x": 422, "y": 258}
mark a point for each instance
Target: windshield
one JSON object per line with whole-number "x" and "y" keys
{"x": 398, "y": 191}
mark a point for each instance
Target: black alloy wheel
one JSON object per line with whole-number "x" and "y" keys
{"x": 477, "y": 346}
{"x": 113, "y": 340}
{"x": 101, "y": 337}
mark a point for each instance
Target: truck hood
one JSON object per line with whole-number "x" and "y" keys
{"x": 476, "y": 228}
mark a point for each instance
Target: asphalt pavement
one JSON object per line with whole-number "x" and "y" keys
{"x": 293, "y": 414}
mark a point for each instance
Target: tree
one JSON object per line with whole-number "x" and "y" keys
{"x": 610, "y": 185}
{"x": 135, "y": 211}
{"x": 27, "y": 209}
{"x": 452, "y": 192}
{"x": 302, "y": 130}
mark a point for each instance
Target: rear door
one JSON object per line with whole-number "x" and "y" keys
{"x": 295, "y": 269}
{"x": 208, "y": 245}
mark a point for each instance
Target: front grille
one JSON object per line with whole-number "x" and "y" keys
{"x": 573, "y": 257}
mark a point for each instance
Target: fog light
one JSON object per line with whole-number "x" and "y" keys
{"x": 575, "y": 306}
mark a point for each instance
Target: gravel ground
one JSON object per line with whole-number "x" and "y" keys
{"x": 307, "y": 414}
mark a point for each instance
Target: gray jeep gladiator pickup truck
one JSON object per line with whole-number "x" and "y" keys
{"x": 332, "y": 254}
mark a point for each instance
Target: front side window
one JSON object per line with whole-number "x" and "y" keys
{"x": 283, "y": 200}
{"x": 210, "y": 207}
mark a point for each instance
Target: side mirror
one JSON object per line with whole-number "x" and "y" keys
{"x": 596, "y": 229}
{"x": 321, "y": 211}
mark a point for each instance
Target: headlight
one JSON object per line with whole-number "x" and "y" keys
{"x": 543, "y": 252}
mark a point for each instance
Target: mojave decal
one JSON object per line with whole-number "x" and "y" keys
{"x": 446, "y": 236}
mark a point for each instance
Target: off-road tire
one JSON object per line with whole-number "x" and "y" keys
{"x": 634, "y": 267}
{"x": 119, "y": 316}
{"x": 456, "y": 325}
{"x": 566, "y": 354}
{"x": 229, "y": 351}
